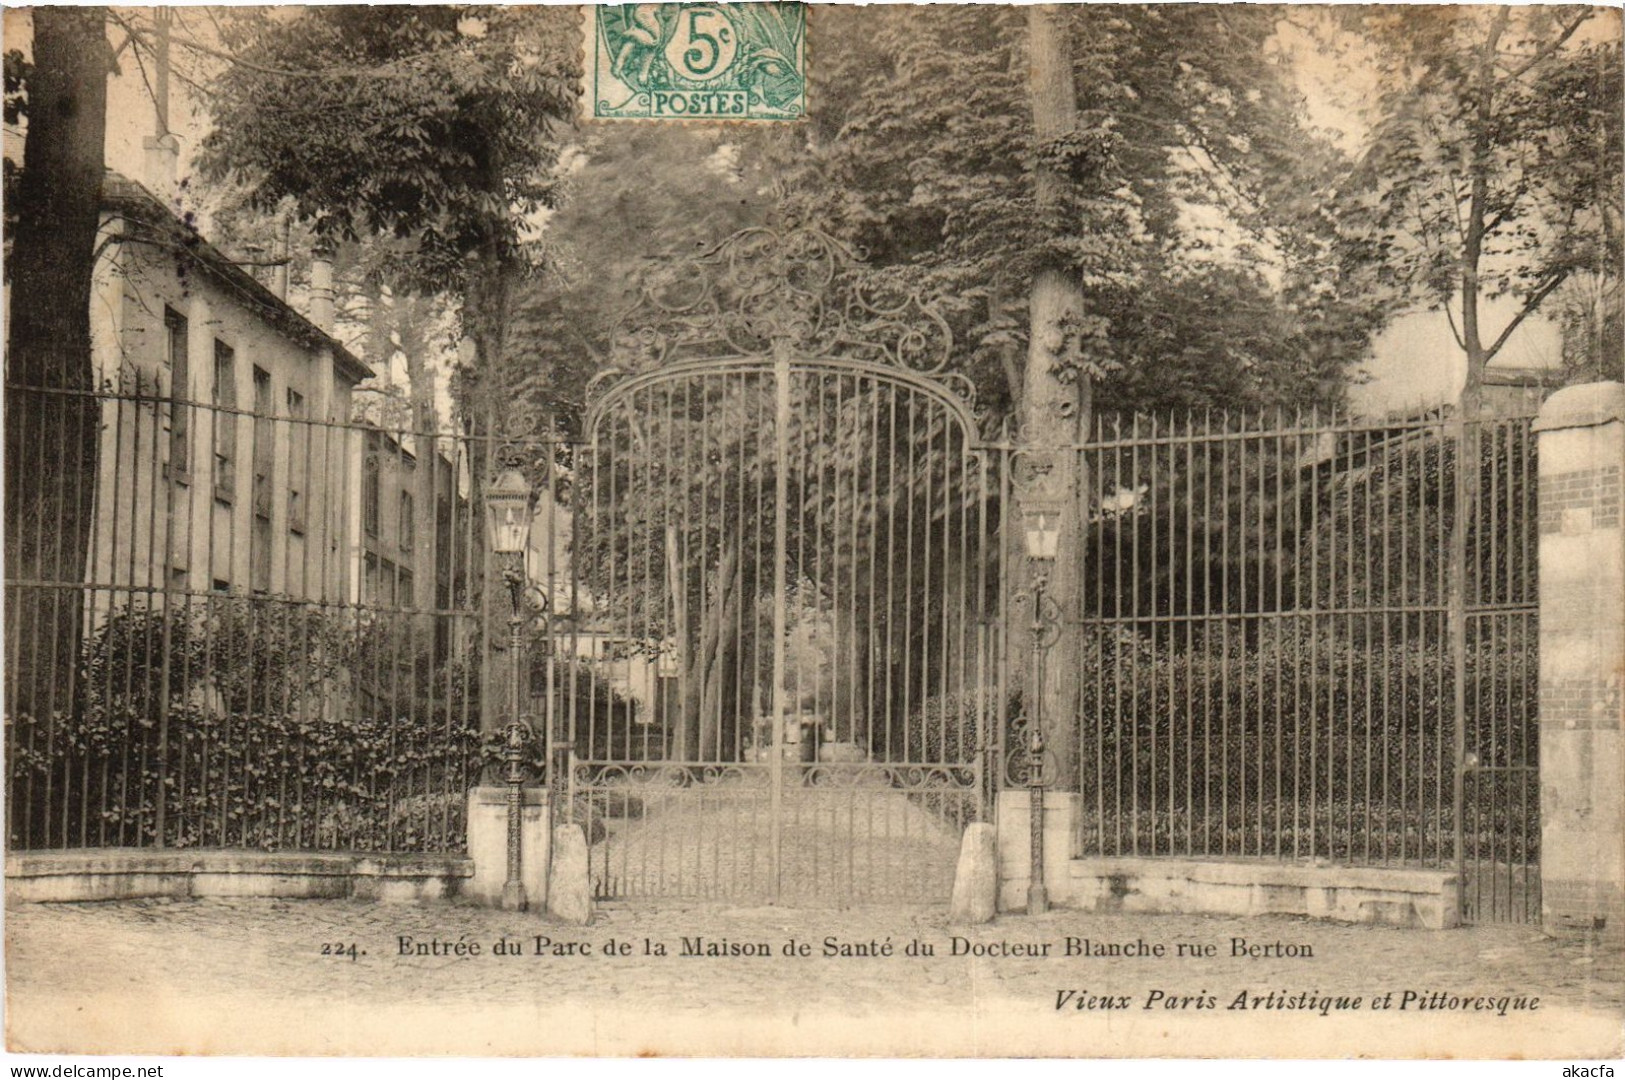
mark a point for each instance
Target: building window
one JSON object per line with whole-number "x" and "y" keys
{"x": 263, "y": 442}
{"x": 259, "y": 537}
{"x": 407, "y": 523}
{"x": 379, "y": 581}
{"x": 404, "y": 591}
{"x": 298, "y": 460}
{"x": 176, "y": 344}
{"x": 370, "y": 493}
{"x": 225, "y": 421}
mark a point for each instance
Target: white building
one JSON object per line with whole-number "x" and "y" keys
{"x": 219, "y": 469}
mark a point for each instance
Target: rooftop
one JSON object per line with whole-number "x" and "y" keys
{"x": 150, "y": 220}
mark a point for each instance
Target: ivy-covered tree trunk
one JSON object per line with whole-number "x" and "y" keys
{"x": 52, "y": 427}
{"x": 487, "y": 308}
{"x": 1051, "y": 409}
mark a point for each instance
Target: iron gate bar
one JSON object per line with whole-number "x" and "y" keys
{"x": 1222, "y": 768}
{"x": 781, "y": 528}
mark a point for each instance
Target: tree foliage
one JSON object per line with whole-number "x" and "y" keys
{"x": 923, "y": 154}
{"x": 619, "y": 221}
{"x": 1494, "y": 167}
{"x": 435, "y": 126}
{"x": 422, "y": 123}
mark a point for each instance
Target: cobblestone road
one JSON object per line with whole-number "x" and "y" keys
{"x": 251, "y": 975}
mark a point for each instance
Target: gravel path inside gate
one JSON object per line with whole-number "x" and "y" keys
{"x": 259, "y": 976}
{"x": 844, "y": 843}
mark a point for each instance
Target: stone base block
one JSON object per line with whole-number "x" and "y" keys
{"x": 976, "y": 878}
{"x": 488, "y": 845}
{"x": 124, "y": 874}
{"x": 1416, "y": 898}
{"x": 1015, "y": 845}
{"x": 569, "y": 887}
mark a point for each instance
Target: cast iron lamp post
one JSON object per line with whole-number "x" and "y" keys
{"x": 1042, "y": 531}
{"x": 508, "y": 513}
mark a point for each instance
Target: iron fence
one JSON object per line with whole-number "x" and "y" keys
{"x": 1273, "y": 665}
{"x": 236, "y": 628}
{"x": 263, "y": 628}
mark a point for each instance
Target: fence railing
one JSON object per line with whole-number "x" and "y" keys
{"x": 264, "y": 629}
{"x": 1269, "y": 665}
{"x": 238, "y": 629}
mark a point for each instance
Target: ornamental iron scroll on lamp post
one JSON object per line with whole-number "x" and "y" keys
{"x": 508, "y": 514}
{"x": 1041, "y": 523}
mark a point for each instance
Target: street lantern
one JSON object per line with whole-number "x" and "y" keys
{"x": 507, "y": 512}
{"x": 1042, "y": 522}
{"x": 507, "y": 515}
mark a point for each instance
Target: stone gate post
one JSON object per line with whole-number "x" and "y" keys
{"x": 1581, "y": 431}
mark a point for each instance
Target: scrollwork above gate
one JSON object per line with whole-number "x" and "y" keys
{"x": 764, "y": 289}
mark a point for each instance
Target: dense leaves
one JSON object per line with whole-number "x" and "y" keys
{"x": 1494, "y": 167}
{"x": 434, "y": 127}
{"x": 923, "y": 155}
{"x": 433, "y": 124}
{"x": 636, "y": 200}
{"x": 256, "y": 724}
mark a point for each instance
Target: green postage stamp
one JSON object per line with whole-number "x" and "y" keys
{"x": 705, "y": 61}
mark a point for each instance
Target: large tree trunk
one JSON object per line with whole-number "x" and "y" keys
{"x": 412, "y": 323}
{"x": 407, "y": 322}
{"x": 51, "y": 438}
{"x": 711, "y": 664}
{"x": 1051, "y": 414}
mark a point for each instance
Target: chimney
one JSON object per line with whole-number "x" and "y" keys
{"x": 279, "y": 273}
{"x": 162, "y": 157}
{"x": 254, "y": 256}
{"x": 321, "y": 288}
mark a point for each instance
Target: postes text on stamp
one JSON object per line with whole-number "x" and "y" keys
{"x": 699, "y": 61}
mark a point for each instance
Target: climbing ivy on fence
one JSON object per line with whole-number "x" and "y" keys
{"x": 253, "y": 723}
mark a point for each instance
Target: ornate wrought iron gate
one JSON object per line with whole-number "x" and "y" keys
{"x": 780, "y": 552}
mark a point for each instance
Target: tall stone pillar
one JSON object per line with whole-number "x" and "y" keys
{"x": 1582, "y": 659}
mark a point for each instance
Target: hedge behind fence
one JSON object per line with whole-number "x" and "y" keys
{"x": 1289, "y": 738}
{"x": 256, "y": 723}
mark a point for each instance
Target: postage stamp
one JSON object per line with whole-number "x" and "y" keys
{"x": 706, "y": 61}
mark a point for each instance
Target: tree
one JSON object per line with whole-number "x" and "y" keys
{"x": 1494, "y": 170}
{"x": 1495, "y": 166}
{"x": 53, "y": 255}
{"x": 435, "y": 126}
{"x": 924, "y": 157}
{"x": 1038, "y": 171}
{"x": 1056, "y": 387}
